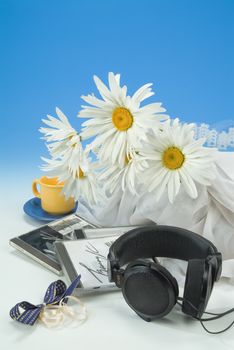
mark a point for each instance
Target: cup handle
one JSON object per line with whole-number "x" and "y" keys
{"x": 34, "y": 188}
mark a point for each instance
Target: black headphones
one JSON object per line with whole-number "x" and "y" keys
{"x": 148, "y": 287}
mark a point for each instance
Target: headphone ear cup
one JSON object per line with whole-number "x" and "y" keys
{"x": 148, "y": 290}
{"x": 197, "y": 289}
{"x": 170, "y": 278}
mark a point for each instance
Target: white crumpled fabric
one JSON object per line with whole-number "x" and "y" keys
{"x": 211, "y": 214}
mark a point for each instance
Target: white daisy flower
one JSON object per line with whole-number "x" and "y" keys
{"x": 175, "y": 159}
{"x": 118, "y": 120}
{"x": 80, "y": 184}
{"x": 60, "y": 134}
{"x": 115, "y": 177}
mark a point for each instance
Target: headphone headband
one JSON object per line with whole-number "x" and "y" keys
{"x": 160, "y": 241}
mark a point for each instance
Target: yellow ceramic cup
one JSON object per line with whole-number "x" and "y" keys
{"x": 52, "y": 200}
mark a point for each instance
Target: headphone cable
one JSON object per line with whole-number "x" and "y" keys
{"x": 215, "y": 317}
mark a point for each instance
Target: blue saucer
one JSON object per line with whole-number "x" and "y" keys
{"x": 33, "y": 208}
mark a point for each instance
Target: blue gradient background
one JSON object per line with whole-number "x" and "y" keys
{"x": 51, "y": 49}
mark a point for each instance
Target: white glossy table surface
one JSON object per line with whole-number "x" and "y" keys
{"x": 111, "y": 324}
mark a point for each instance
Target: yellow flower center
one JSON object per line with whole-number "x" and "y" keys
{"x": 80, "y": 174}
{"x": 71, "y": 137}
{"x": 122, "y": 118}
{"x": 127, "y": 159}
{"x": 173, "y": 158}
